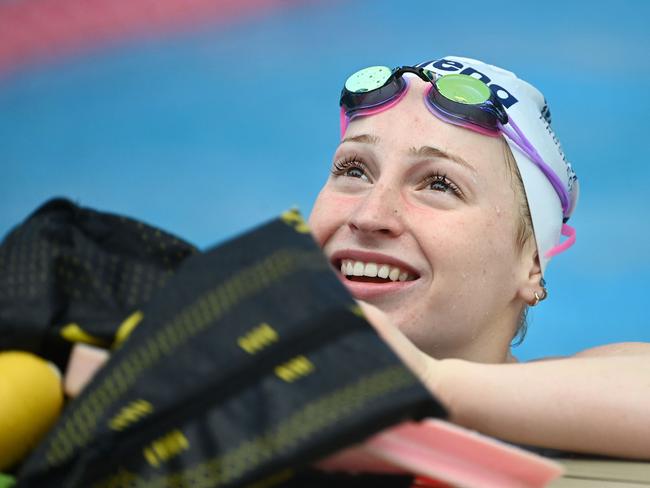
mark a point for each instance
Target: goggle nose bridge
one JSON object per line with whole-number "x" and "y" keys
{"x": 423, "y": 74}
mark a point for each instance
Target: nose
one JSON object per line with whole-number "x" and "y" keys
{"x": 378, "y": 212}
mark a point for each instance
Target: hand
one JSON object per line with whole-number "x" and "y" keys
{"x": 423, "y": 366}
{"x": 85, "y": 361}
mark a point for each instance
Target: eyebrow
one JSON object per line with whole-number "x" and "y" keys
{"x": 363, "y": 138}
{"x": 434, "y": 152}
{"x": 423, "y": 152}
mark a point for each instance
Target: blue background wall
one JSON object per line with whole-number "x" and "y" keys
{"x": 210, "y": 131}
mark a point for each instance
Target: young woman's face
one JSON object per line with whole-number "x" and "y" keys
{"x": 432, "y": 206}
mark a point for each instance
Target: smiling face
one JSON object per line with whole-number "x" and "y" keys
{"x": 419, "y": 217}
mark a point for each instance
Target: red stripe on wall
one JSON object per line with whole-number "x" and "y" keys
{"x": 35, "y": 30}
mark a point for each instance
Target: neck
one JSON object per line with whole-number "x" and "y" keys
{"x": 490, "y": 345}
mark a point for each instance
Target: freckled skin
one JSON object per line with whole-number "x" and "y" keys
{"x": 473, "y": 280}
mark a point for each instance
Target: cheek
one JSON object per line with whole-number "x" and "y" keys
{"x": 328, "y": 214}
{"x": 493, "y": 238}
{"x": 467, "y": 242}
{"x": 500, "y": 226}
{"x": 489, "y": 252}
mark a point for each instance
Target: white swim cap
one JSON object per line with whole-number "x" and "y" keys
{"x": 527, "y": 107}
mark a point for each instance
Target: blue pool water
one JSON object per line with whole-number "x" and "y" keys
{"x": 209, "y": 132}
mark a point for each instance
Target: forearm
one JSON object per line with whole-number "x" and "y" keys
{"x": 588, "y": 404}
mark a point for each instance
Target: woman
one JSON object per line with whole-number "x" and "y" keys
{"x": 446, "y": 200}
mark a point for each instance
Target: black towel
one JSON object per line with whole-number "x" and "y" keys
{"x": 252, "y": 362}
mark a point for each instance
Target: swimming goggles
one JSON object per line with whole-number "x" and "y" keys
{"x": 455, "y": 98}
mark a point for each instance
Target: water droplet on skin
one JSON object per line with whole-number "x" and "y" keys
{"x": 497, "y": 209}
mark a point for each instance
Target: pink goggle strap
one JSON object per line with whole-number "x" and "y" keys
{"x": 345, "y": 119}
{"x": 568, "y": 232}
{"x": 344, "y": 122}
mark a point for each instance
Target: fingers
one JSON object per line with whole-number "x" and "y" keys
{"x": 85, "y": 361}
{"x": 421, "y": 364}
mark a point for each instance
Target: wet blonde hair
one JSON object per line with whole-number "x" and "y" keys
{"x": 524, "y": 229}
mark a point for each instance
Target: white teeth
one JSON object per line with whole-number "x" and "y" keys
{"x": 370, "y": 270}
{"x": 350, "y": 267}
{"x": 394, "y": 274}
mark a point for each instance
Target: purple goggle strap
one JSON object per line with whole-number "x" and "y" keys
{"x": 524, "y": 144}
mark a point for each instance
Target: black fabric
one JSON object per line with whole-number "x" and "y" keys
{"x": 66, "y": 264}
{"x": 251, "y": 363}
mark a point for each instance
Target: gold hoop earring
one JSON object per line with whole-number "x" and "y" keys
{"x": 545, "y": 295}
{"x": 537, "y": 299}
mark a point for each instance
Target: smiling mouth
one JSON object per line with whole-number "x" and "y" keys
{"x": 369, "y": 272}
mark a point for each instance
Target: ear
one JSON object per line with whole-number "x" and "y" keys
{"x": 531, "y": 275}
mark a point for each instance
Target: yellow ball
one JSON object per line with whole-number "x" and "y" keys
{"x": 30, "y": 402}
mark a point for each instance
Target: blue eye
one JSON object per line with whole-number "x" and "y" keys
{"x": 441, "y": 183}
{"x": 351, "y": 167}
{"x": 354, "y": 172}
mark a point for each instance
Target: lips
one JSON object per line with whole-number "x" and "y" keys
{"x": 370, "y": 275}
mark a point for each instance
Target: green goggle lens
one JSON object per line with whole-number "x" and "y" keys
{"x": 463, "y": 89}
{"x": 368, "y": 79}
